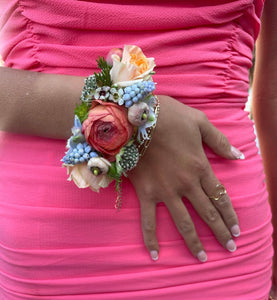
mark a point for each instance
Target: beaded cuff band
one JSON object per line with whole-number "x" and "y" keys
{"x": 114, "y": 122}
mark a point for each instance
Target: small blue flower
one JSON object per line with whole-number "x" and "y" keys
{"x": 127, "y": 90}
{"x": 79, "y": 151}
{"x": 126, "y": 97}
{"x": 128, "y": 103}
{"x": 93, "y": 154}
{"x": 88, "y": 149}
{"x": 137, "y": 92}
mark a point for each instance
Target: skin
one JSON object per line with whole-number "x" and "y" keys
{"x": 182, "y": 175}
{"x": 265, "y": 110}
{"x": 29, "y": 99}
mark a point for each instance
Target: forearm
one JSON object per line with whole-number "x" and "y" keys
{"x": 265, "y": 96}
{"x": 38, "y": 103}
{"x": 265, "y": 101}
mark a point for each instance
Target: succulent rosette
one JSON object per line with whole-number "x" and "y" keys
{"x": 117, "y": 108}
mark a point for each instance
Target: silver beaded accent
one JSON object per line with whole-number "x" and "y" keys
{"x": 129, "y": 158}
{"x": 89, "y": 89}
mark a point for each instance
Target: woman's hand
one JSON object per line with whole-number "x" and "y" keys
{"x": 273, "y": 292}
{"x": 176, "y": 161}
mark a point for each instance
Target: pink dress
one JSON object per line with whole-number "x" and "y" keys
{"x": 61, "y": 243}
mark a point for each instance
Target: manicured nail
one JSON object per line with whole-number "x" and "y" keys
{"x": 231, "y": 246}
{"x": 237, "y": 154}
{"x": 235, "y": 230}
{"x": 154, "y": 254}
{"x": 202, "y": 256}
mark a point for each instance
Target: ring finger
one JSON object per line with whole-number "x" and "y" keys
{"x": 219, "y": 197}
{"x": 209, "y": 213}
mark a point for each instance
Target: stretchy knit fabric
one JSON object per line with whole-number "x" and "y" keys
{"x": 58, "y": 242}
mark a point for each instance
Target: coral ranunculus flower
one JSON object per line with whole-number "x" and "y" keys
{"x": 133, "y": 66}
{"x": 107, "y": 128}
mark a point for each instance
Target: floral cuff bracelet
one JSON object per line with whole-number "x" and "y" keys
{"x": 114, "y": 123}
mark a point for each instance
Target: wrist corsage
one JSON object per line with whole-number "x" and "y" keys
{"x": 114, "y": 122}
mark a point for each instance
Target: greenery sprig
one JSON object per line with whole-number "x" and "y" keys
{"x": 103, "y": 78}
{"x": 81, "y": 111}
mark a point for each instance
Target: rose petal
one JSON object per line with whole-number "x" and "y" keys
{"x": 124, "y": 70}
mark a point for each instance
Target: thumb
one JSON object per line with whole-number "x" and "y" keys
{"x": 218, "y": 142}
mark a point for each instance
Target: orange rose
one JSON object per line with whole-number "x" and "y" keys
{"x": 107, "y": 128}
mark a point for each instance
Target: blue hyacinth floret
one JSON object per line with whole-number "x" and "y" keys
{"x": 136, "y": 92}
{"x": 79, "y": 150}
{"x": 81, "y": 153}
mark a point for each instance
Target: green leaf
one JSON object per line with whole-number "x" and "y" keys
{"x": 113, "y": 172}
{"x": 103, "y": 78}
{"x": 77, "y": 139}
{"x": 82, "y": 111}
{"x": 118, "y": 185}
{"x": 102, "y": 63}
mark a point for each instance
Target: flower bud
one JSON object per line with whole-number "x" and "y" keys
{"x": 138, "y": 113}
{"x": 117, "y": 51}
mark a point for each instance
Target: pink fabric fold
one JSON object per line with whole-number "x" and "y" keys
{"x": 61, "y": 243}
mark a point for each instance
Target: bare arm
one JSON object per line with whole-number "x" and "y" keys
{"x": 37, "y": 103}
{"x": 265, "y": 104}
{"x": 43, "y": 104}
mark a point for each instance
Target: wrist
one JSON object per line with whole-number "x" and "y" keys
{"x": 114, "y": 121}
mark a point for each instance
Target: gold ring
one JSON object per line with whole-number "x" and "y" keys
{"x": 220, "y": 191}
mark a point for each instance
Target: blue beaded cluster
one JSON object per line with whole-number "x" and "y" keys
{"x": 81, "y": 153}
{"x": 137, "y": 92}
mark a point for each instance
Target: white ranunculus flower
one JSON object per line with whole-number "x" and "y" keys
{"x": 83, "y": 178}
{"x": 100, "y": 163}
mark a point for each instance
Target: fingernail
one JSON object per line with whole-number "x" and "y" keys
{"x": 235, "y": 230}
{"x": 237, "y": 154}
{"x": 154, "y": 254}
{"x": 231, "y": 246}
{"x": 202, "y": 256}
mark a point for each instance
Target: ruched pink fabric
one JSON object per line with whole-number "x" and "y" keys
{"x": 61, "y": 243}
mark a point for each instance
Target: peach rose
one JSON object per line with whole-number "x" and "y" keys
{"x": 107, "y": 128}
{"x": 134, "y": 66}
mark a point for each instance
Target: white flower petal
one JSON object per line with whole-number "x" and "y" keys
{"x": 128, "y": 83}
{"x": 121, "y": 101}
{"x": 105, "y": 181}
{"x": 77, "y": 174}
{"x": 83, "y": 178}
